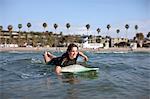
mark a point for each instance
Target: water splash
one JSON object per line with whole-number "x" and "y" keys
{"x": 36, "y": 61}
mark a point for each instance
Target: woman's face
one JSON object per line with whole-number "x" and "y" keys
{"x": 73, "y": 53}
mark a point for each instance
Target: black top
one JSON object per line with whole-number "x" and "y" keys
{"x": 64, "y": 60}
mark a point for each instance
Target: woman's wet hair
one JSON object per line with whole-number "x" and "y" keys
{"x": 71, "y": 46}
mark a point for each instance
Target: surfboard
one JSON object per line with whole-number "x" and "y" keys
{"x": 78, "y": 68}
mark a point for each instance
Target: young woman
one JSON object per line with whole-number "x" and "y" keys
{"x": 68, "y": 58}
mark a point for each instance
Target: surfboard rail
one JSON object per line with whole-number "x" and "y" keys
{"x": 78, "y": 68}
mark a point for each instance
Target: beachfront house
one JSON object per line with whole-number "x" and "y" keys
{"x": 93, "y": 42}
{"x": 119, "y": 42}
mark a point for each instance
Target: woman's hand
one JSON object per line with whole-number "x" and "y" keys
{"x": 84, "y": 56}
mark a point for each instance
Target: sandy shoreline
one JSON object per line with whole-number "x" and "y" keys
{"x": 82, "y": 49}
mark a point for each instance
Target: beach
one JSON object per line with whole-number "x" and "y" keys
{"x": 81, "y": 49}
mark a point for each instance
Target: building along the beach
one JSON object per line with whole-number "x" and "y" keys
{"x": 119, "y": 42}
{"x": 93, "y": 41}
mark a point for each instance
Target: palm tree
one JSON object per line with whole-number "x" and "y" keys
{"x": 55, "y": 27}
{"x": 44, "y": 25}
{"x": 127, "y": 27}
{"x": 140, "y": 38}
{"x": 136, "y": 28}
{"x": 10, "y": 27}
{"x": 117, "y": 31}
{"x": 68, "y": 26}
{"x": 1, "y": 28}
{"x": 19, "y": 26}
{"x": 108, "y": 27}
{"x": 98, "y": 30}
{"x": 87, "y": 27}
{"x": 148, "y": 35}
{"x": 28, "y": 25}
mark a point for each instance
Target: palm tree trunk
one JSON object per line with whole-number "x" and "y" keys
{"x": 19, "y": 38}
{"x": 10, "y": 39}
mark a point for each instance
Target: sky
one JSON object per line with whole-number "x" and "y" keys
{"x": 97, "y": 13}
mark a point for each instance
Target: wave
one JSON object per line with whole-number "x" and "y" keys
{"x": 20, "y": 52}
{"x": 36, "y": 61}
{"x": 116, "y": 52}
{"x": 25, "y": 75}
{"x": 119, "y": 52}
{"x": 25, "y": 68}
{"x": 22, "y": 75}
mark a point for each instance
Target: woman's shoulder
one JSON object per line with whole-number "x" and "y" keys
{"x": 65, "y": 54}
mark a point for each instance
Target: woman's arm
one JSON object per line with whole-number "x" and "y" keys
{"x": 84, "y": 56}
{"x": 58, "y": 70}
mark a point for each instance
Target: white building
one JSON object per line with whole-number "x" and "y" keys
{"x": 86, "y": 44}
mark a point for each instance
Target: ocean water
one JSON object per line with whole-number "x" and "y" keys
{"x": 23, "y": 75}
